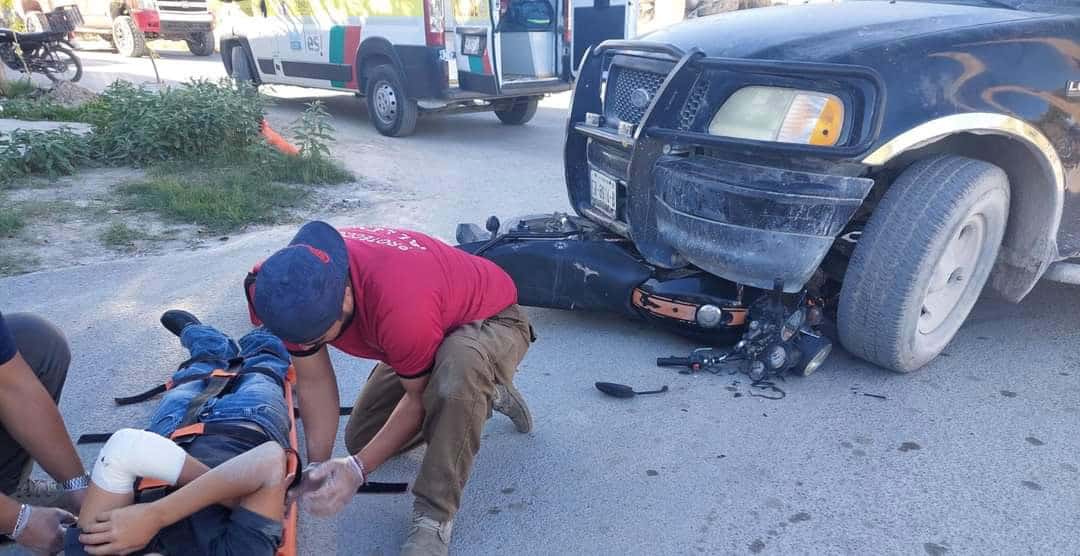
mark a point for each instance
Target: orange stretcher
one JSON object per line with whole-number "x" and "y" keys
{"x": 217, "y": 382}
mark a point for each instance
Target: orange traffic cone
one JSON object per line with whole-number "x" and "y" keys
{"x": 276, "y": 140}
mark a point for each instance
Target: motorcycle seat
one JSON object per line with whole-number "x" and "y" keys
{"x": 7, "y": 36}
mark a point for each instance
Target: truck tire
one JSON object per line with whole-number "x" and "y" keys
{"x": 127, "y": 37}
{"x": 201, "y": 44}
{"x": 392, "y": 113}
{"x": 241, "y": 67}
{"x": 922, "y": 261}
{"x": 523, "y": 110}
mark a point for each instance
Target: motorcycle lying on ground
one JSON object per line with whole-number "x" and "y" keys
{"x": 562, "y": 261}
{"x": 47, "y": 53}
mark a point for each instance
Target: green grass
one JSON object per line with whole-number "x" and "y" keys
{"x": 221, "y": 200}
{"x": 226, "y": 194}
{"x": 314, "y": 170}
{"x": 121, "y": 236}
{"x": 11, "y": 222}
{"x": 15, "y": 217}
{"x": 17, "y": 88}
{"x": 43, "y": 109}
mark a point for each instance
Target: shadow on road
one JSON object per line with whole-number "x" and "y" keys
{"x": 432, "y": 127}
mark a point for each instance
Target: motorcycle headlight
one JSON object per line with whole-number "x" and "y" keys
{"x": 782, "y": 115}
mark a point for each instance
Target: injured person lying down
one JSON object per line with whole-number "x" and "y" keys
{"x": 218, "y": 446}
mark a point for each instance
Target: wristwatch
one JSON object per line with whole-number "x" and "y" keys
{"x": 76, "y": 483}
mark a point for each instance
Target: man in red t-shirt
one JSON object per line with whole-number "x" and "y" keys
{"x": 447, "y": 331}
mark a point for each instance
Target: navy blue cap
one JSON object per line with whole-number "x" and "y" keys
{"x": 300, "y": 289}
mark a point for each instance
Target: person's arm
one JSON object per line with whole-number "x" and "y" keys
{"x": 30, "y": 415}
{"x": 43, "y": 530}
{"x": 400, "y": 428}
{"x": 317, "y": 390}
{"x": 237, "y": 481}
{"x": 339, "y": 478}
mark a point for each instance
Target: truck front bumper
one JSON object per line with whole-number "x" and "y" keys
{"x": 180, "y": 30}
{"x": 688, "y": 198}
{"x": 752, "y": 224}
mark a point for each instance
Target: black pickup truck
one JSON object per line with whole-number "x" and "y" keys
{"x": 888, "y": 159}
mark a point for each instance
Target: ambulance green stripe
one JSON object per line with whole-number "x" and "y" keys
{"x": 337, "y": 49}
{"x": 476, "y": 65}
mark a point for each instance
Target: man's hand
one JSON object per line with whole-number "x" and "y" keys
{"x": 338, "y": 480}
{"x": 45, "y": 529}
{"x": 121, "y": 531}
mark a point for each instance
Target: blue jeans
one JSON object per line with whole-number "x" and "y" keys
{"x": 255, "y": 398}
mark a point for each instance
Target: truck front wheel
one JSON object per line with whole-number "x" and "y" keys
{"x": 201, "y": 44}
{"x": 922, "y": 261}
{"x": 392, "y": 113}
{"x": 127, "y": 37}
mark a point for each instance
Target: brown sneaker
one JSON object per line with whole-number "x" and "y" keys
{"x": 509, "y": 402}
{"x": 427, "y": 537}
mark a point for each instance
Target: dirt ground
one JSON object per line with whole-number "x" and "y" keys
{"x": 66, "y": 218}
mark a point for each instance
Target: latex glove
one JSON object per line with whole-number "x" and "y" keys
{"x": 120, "y": 531}
{"x": 337, "y": 481}
{"x": 45, "y": 529}
{"x": 305, "y": 486}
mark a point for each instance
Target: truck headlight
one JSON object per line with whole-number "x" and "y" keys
{"x": 780, "y": 114}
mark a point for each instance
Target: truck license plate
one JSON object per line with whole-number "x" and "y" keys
{"x": 473, "y": 46}
{"x": 603, "y": 190}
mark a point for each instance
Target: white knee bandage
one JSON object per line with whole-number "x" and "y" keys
{"x": 132, "y": 453}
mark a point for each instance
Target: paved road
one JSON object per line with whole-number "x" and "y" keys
{"x": 977, "y": 454}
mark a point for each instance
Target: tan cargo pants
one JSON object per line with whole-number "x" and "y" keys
{"x": 457, "y": 402}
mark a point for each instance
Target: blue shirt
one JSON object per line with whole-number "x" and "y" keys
{"x": 7, "y": 343}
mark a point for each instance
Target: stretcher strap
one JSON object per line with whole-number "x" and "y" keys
{"x": 143, "y": 396}
{"x": 343, "y": 411}
{"x": 94, "y": 438}
{"x": 215, "y": 385}
{"x": 162, "y": 388}
{"x": 373, "y": 487}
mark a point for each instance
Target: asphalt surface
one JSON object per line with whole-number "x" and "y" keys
{"x": 976, "y": 454}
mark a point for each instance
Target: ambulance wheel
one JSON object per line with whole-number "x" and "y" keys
{"x": 127, "y": 37}
{"x": 922, "y": 261}
{"x": 241, "y": 68}
{"x": 392, "y": 113}
{"x": 201, "y": 44}
{"x": 520, "y": 112}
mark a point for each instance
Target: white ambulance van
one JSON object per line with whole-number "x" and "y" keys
{"x": 408, "y": 56}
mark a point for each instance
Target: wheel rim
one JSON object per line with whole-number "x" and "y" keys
{"x": 952, "y": 276}
{"x": 386, "y": 103}
{"x": 60, "y": 67}
{"x": 124, "y": 41}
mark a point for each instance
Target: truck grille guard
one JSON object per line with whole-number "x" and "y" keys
{"x": 601, "y": 112}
